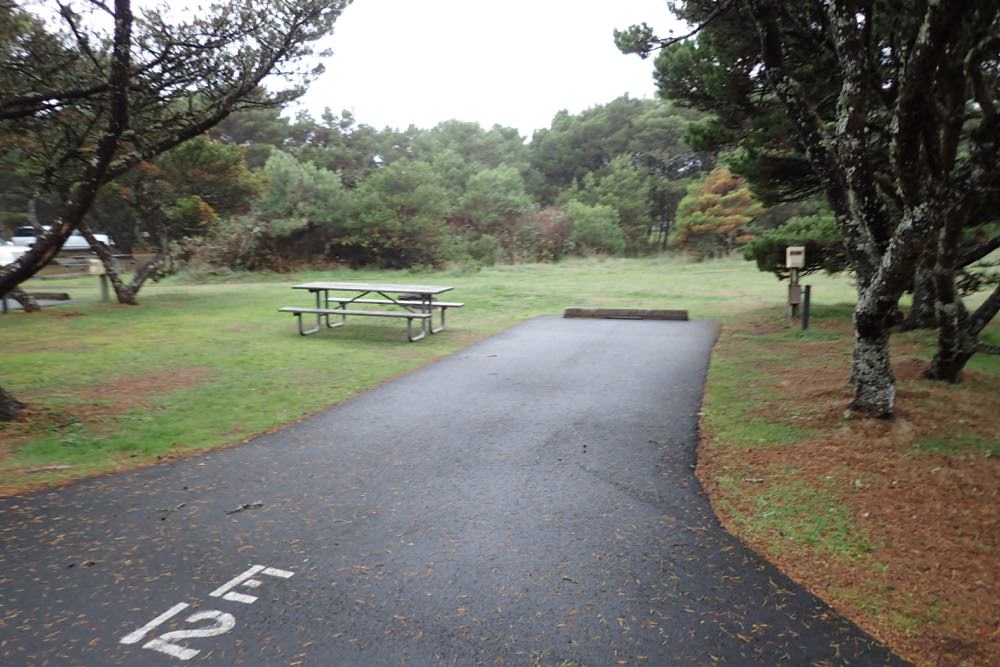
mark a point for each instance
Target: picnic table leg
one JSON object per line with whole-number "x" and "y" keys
{"x": 320, "y": 319}
{"x": 409, "y": 328}
{"x": 306, "y": 332}
{"x": 428, "y": 307}
{"x": 343, "y": 318}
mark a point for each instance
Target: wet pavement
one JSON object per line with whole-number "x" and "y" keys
{"x": 527, "y": 501}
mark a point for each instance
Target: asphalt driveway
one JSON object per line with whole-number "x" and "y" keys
{"x": 529, "y": 500}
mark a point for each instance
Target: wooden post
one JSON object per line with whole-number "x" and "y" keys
{"x": 794, "y": 293}
{"x": 806, "y": 298}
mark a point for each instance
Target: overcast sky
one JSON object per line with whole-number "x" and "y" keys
{"x": 513, "y": 62}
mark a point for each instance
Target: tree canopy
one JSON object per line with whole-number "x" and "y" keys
{"x": 106, "y": 88}
{"x": 889, "y": 108}
{"x": 101, "y": 89}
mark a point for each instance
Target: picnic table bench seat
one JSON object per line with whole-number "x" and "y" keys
{"x": 404, "y": 302}
{"x": 324, "y": 315}
{"x": 441, "y": 306}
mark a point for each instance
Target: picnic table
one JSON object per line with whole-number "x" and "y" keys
{"x": 396, "y": 300}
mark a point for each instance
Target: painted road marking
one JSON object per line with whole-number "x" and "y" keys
{"x": 225, "y": 591}
{"x": 136, "y": 636}
{"x": 222, "y": 622}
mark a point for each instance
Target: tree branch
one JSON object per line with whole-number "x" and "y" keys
{"x": 86, "y": 190}
{"x": 852, "y": 113}
{"x": 979, "y": 252}
{"x": 912, "y": 103}
{"x": 985, "y": 313}
{"x": 809, "y": 126}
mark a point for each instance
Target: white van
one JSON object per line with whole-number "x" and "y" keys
{"x": 27, "y": 235}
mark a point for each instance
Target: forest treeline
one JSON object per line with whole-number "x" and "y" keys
{"x": 263, "y": 191}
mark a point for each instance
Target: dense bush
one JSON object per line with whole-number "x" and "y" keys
{"x": 817, "y": 233}
{"x": 299, "y": 194}
{"x": 628, "y": 190}
{"x": 595, "y": 229}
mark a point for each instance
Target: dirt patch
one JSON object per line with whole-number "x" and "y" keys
{"x": 119, "y": 395}
{"x": 88, "y": 408}
{"x": 919, "y": 494}
{"x": 94, "y": 404}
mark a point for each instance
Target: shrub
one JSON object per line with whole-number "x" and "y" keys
{"x": 817, "y": 233}
{"x": 712, "y": 217}
{"x": 595, "y": 229}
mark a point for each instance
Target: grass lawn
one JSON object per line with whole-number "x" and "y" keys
{"x": 198, "y": 366}
{"x": 894, "y": 523}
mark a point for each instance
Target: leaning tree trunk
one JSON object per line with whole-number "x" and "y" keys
{"x": 28, "y": 302}
{"x": 127, "y": 293}
{"x": 9, "y": 406}
{"x": 956, "y": 348}
{"x": 84, "y": 192}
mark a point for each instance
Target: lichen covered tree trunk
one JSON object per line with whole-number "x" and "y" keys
{"x": 922, "y": 312}
{"x": 951, "y": 313}
{"x": 958, "y": 342}
{"x": 871, "y": 370}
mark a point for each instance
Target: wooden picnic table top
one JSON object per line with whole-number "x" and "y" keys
{"x": 373, "y": 287}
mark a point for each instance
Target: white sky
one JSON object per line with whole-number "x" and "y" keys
{"x": 512, "y": 62}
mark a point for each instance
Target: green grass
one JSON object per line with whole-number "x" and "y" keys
{"x": 795, "y": 515}
{"x": 205, "y": 364}
{"x": 738, "y": 389}
{"x": 226, "y": 365}
{"x": 900, "y": 613}
{"x": 963, "y": 441}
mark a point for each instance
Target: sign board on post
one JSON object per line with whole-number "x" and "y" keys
{"x": 795, "y": 257}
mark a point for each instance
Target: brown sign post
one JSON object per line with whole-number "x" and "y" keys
{"x": 795, "y": 259}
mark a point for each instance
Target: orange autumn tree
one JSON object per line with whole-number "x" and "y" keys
{"x": 713, "y": 216}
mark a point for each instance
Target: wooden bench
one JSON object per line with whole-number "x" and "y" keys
{"x": 323, "y": 316}
{"x": 440, "y": 305}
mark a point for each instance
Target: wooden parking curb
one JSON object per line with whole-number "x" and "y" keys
{"x": 626, "y": 314}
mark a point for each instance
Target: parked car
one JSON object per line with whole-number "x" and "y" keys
{"x": 24, "y": 236}
{"x": 27, "y": 235}
{"x": 9, "y": 253}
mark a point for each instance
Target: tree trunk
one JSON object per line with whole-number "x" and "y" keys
{"x": 112, "y": 267}
{"x": 954, "y": 344}
{"x": 28, "y": 303}
{"x": 127, "y": 293}
{"x": 956, "y": 347}
{"x": 951, "y": 314}
{"x": 9, "y": 406}
{"x": 85, "y": 190}
{"x": 871, "y": 372}
{"x": 922, "y": 314}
